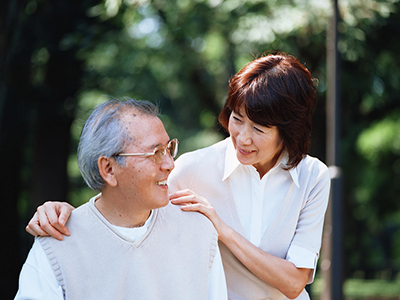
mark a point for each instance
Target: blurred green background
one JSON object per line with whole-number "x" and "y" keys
{"x": 58, "y": 59}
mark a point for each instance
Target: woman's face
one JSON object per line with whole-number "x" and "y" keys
{"x": 255, "y": 144}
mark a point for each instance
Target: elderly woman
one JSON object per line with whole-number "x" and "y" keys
{"x": 259, "y": 187}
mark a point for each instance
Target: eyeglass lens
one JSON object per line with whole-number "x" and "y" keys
{"x": 173, "y": 148}
{"x": 160, "y": 153}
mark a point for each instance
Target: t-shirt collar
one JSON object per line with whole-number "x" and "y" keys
{"x": 231, "y": 163}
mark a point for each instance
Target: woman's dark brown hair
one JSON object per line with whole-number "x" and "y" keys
{"x": 276, "y": 90}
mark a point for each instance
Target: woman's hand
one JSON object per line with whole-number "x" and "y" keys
{"x": 190, "y": 201}
{"x": 49, "y": 220}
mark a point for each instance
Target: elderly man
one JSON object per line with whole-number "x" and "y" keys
{"x": 127, "y": 242}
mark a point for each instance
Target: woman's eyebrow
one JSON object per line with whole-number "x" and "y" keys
{"x": 238, "y": 113}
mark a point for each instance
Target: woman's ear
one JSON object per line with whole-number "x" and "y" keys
{"x": 106, "y": 167}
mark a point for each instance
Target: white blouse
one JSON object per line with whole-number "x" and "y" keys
{"x": 282, "y": 213}
{"x": 259, "y": 200}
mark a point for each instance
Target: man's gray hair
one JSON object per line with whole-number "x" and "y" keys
{"x": 104, "y": 135}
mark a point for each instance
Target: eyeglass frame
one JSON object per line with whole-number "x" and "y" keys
{"x": 153, "y": 154}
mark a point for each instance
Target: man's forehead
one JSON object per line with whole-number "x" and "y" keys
{"x": 130, "y": 113}
{"x": 133, "y": 115}
{"x": 136, "y": 118}
{"x": 140, "y": 131}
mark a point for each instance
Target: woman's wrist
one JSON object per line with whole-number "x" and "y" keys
{"x": 225, "y": 234}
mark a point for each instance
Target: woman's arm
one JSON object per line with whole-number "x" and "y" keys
{"x": 49, "y": 220}
{"x": 277, "y": 272}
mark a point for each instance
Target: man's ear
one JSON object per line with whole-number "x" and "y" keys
{"x": 106, "y": 167}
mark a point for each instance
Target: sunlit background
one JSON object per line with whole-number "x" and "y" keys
{"x": 59, "y": 59}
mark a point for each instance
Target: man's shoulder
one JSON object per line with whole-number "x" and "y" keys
{"x": 83, "y": 219}
{"x": 191, "y": 230}
{"x": 187, "y": 218}
{"x": 79, "y": 212}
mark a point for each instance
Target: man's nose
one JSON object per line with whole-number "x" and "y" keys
{"x": 168, "y": 162}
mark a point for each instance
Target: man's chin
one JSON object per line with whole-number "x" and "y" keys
{"x": 163, "y": 202}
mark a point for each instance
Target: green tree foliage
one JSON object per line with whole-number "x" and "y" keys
{"x": 40, "y": 78}
{"x": 58, "y": 60}
{"x": 371, "y": 134}
{"x": 182, "y": 53}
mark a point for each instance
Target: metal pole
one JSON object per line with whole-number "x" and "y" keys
{"x": 332, "y": 260}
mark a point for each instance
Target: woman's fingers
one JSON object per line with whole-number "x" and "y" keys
{"x": 186, "y": 197}
{"x": 34, "y": 228}
{"x": 184, "y": 200}
{"x": 50, "y": 219}
{"x": 65, "y": 212}
{"x": 199, "y": 208}
{"x": 49, "y": 222}
{"x": 192, "y": 202}
{"x": 180, "y": 194}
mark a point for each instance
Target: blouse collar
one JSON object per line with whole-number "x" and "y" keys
{"x": 232, "y": 163}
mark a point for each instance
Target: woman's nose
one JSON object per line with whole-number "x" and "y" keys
{"x": 245, "y": 137}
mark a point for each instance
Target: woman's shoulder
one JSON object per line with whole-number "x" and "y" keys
{"x": 314, "y": 162}
{"x": 313, "y": 165}
{"x": 192, "y": 166}
{"x": 209, "y": 153}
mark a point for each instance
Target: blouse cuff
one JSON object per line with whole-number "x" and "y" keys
{"x": 303, "y": 258}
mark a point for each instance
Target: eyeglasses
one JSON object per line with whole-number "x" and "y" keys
{"x": 159, "y": 152}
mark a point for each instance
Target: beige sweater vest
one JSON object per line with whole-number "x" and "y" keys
{"x": 171, "y": 261}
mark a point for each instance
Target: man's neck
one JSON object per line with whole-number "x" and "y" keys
{"x": 118, "y": 213}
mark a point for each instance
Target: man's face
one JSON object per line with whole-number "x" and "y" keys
{"x": 141, "y": 180}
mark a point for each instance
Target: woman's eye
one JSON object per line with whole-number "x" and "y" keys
{"x": 236, "y": 119}
{"x": 258, "y": 130}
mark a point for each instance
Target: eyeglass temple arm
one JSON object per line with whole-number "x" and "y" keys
{"x": 135, "y": 154}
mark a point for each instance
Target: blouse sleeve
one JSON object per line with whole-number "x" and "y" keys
{"x": 304, "y": 249}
